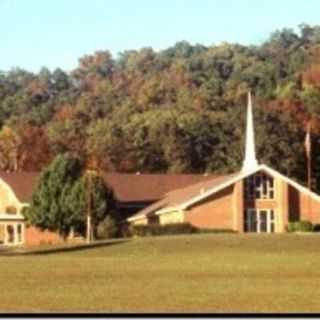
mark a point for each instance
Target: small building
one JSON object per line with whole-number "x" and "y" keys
{"x": 15, "y": 193}
{"x": 256, "y": 199}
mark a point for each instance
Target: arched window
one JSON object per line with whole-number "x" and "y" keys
{"x": 259, "y": 186}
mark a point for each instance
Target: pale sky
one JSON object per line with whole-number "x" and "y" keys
{"x": 55, "y": 33}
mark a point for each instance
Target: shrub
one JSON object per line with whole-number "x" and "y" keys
{"x": 291, "y": 227}
{"x": 158, "y": 230}
{"x": 217, "y": 231}
{"x": 125, "y": 230}
{"x": 316, "y": 228}
{"x": 300, "y": 226}
{"x": 107, "y": 229}
{"x": 305, "y": 226}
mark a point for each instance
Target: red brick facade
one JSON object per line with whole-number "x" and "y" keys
{"x": 215, "y": 212}
{"x": 34, "y": 236}
{"x": 226, "y": 208}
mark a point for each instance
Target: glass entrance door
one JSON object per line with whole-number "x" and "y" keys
{"x": 262, "y": 220}
{"x": 259, "y": 220}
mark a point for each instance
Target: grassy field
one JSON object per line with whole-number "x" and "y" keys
{"x": 197, "y": 273}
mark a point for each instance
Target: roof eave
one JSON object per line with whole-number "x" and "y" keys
{"x": 240, "y": 176}
{"x": 291, "y": 182}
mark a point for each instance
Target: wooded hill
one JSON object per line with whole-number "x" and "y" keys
{"x": 177, "y": 110}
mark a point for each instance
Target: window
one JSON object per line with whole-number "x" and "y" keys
{"x": 11, "y": 210}
{"x": 272, "y": 221}
{"x": 250, "y": 221}
{"x": 10, "y": 233}
{"x": 19, "y": 232}
{"x": 259, "y": 220}
{"x": 153, "y": 219}
{"x": 259, "y": 186}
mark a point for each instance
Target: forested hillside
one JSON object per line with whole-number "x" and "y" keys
{"x": 177, "y": 110}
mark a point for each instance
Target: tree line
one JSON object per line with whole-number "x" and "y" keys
{"x": 179, "y": 110}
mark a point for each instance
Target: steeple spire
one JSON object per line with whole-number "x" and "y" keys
{"x": 250, "y": 161}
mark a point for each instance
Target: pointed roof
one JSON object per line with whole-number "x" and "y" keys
{"x": 184, "y": 198}
{"x": 250, "y": 162}
{"x": 176, "y": 197}
{"x": 127, "y": 187}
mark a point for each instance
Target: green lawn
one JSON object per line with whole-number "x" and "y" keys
{"x": 197, "y": 273}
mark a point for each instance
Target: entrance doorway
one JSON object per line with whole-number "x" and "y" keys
{"x": 259, "y": 220}
{"x": 11, "y": 233}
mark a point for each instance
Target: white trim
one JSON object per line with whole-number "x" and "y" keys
{"x": 14, "y": 225}
{"x": 290, "y": 181}
{"x": 244, "y": 175}
{"x": 12, "y": 195}
{"x": 226, "y": 184}
{"x": 5, "y": 216}
{"x": 13, "y": 199}
{"x": 216, "y": 189}
{"x": 24, "y": 204}
{"x": 240, "y": 176}
{"x": 257, "y": 220}
{"x": 166, "y": 210}
{"x": 134, "y": 218}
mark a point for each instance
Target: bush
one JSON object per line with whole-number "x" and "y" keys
{"x": 300, "y": 226}
{"x": 216, "y": 231}
{"x": 158, "y": 230}
{"x": 108, "y": 228}
{"x": 125, "y": 230}
{"x": 316, "y": 228}
{"x": 291, "y": 227}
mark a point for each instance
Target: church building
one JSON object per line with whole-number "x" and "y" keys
{"x": 256, "y": 199}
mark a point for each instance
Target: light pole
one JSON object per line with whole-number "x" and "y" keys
{"x": 89, "y": 233}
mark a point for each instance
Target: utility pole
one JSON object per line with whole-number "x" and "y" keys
{"x": 93, "y": 169}
{"x": 89, "y": 204}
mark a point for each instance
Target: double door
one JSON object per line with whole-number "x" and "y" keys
{"x": 259, "y": 220}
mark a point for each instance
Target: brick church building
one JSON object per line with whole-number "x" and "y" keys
{"x": 256, "y": 199}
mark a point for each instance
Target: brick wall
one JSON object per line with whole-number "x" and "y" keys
{"x": 34, "y": 237}
{"x": 216, "y": 212}
{"x": 303, "y": 207}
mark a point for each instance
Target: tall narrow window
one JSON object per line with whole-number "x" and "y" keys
{"x": 19, "y": 233}
{"x": 10, "y": 233}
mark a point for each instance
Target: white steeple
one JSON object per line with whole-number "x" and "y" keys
{"x": 250, "y": 162}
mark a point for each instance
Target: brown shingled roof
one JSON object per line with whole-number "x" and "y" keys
{"x": 182, "y": 195}
{"x": 149, "y": 187}
{"x": 127, "y": 187}
{"x": 22, "y": 183}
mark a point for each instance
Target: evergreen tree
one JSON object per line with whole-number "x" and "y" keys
{"x": 59, "y": 201}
